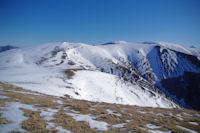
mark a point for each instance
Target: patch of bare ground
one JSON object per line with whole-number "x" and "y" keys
{"x": 67, "y": 122}
{"x": 126, "y": 118}
{"x": 71, "y": 63}
{"x": 71, "y": 72}
{"x": 3, "y": 121}
{"x": 35, "y": 123}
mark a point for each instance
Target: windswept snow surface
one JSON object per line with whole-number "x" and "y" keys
{"x": 118, "y": 72}
{"x": 98, "y": 86}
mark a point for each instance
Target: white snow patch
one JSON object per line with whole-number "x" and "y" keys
{"x": 158, "y": 131}
{"x": 67, "y": 108}
{"x": 100, "y": 125}
{"x": 194, "y": 123}
{"x": 159, "y": 114}
{"x": 58, "y": 101}
{"x": 152, "y": 126}
{"x": 113, "y": 112}
{"x": 3, "y": 97}
{"x": 61, "y": 130}
{"x": 51, "y": 125}
{"x": 120, "y": 125}
{"x": 197, "y": 115}
{"x": 3, "y": 92}
{"x": 186, "y": 114}
{"x": 49, "y": 114}
{"x": 74, "y": 111}
{"x": 170, "y": 113}
{"x": 186, "y": 129}
{"x": 179, "y": 116}
{"x": 1, "y": 88}
{"x": 142, "y": 112}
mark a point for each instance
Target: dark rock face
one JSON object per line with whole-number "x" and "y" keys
{"x": 7, "y": 47}
{"x": 185, "y": 87}
{"x": 178, "y": 75}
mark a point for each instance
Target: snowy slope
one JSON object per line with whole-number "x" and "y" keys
{"x": 117, "y": 72}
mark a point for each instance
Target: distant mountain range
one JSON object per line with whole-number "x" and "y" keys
{"x": 7, "y": 47}
{"x": 155, "y": 74}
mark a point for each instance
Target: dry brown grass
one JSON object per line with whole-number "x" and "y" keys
{"x": 35, "y": 123}
{"x": 71, "y": 72}
{"x": 67, "y": 122}
{"x": 136, "y": 120}
{"x": 3, "y": 121}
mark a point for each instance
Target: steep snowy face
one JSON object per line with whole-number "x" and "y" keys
{"x": 97, "y": 73}
{"x": 168, "y": 63}
{"x": 175, "y": 70}
{"x": 161, "y": 64}
{"x": 178, "y": 75}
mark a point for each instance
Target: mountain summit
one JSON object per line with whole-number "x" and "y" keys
{"x": 7, "y": 47}
{"x": 154, "y": 74}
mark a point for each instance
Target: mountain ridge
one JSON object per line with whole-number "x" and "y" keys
{"x": 127, "y": 68}
{"x": 7, "y": 47}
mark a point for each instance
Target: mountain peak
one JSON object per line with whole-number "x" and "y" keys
{"x": 6, "y": 47}
{"x": 115, "y": 42}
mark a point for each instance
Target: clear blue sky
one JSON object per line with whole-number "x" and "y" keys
{"x": 30, "y": 22}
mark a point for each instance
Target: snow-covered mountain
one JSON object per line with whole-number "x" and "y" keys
{"x": 116, "y": 72}
{"x": 7, "y": 47}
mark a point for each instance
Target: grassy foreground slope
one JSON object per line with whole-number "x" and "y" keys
{"x": 27, "y": 111}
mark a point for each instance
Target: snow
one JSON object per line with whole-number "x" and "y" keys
{"x": 179, "y": 116}
{"x": 186, "y": 114}
{"x": 194, "y": 123}
{"x": 3, "y": 97}
{"x": 2, "y": 92}
{"x": 58, "y": 101}
{"x": 152, "y": 129}
{"x": 102, "y": 87}
{"x": 142, "y": 112}
{"x": 120, "y": 125}
{"x": 14, "y": 115}
{"x": 41, "y": 68}
{"x": 36, "y": 79}
{"x": 113, "y": 112}
{"x": 197, "y": 115}
{"x": 152, "y": 126}
{"x": 159, "y": 114}
{"x": 51, "y": 125}
{"x": 61, "y": 130}
{"x": 49, "y": 114}
{"x": 74, "y": 111}
{"x": 100, "y": 125}
{"x": 157, "y": 131}
{"x": 186, "y": 129}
